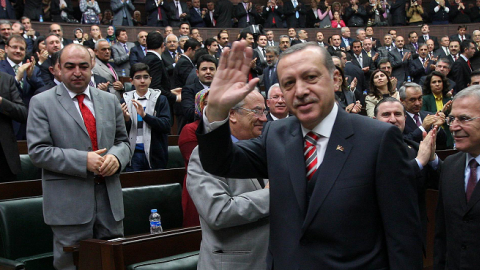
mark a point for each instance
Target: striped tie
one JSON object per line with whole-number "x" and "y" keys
{"x": 310, "y": 153}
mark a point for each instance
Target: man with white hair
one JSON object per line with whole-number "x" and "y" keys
{"x": 276, "y": 104}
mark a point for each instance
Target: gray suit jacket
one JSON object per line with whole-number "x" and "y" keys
{"x": 233, "y": 216}
{"x": 118, "y": 8}
{"x": 58, "y": 142}
{"x": 121, "y": 58}
{"x": 102, "y": 70}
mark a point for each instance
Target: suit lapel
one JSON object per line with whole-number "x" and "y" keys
{"x": 457, "y": 177}
{"x": 294, "y": 150}
{"x": 99, "y": 114}
{"x": 331, "y": 166}
{"x": 8, "y": 69}
{"x": 67, "y": 103}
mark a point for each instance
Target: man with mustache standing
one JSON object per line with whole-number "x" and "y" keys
{"x": 76, "y": 134}
{"x": 344, "y": 194}
{"x": 456, "y": 228}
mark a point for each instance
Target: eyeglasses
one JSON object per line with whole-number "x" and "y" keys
{"x": 277, "y": 98}
{"x": 462, "y": 120}
{"x": 139, "y": 77}
{"x": 258, "y": 113}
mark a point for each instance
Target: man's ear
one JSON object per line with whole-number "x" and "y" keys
{"x": 232, "y": 117}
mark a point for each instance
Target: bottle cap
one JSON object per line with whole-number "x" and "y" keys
{"x": 154, "y": 210}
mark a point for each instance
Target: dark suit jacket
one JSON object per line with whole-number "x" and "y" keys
{"x": 268, "y": 80}
{"x": 455, "y": 37}
{"x": 414, "y": 133}
{"x": 8, "y": 13}
{"x": 196, "y": 19}
{"x": 174, "y": 22}
{"x": 223, "y": 14}
{"x": 12, "y": 108}
{"x": 33, "y": 9}
{"x": 350, "y": 215}
{"x": 99, "y": 79}
{"x": 270, "y": 15}
{"x": 343, "y": 45}
{"x": 55, "y": 10}
{"x": 356, "y": 72}
{"x": 460, "y": 73}
{"x": 440, "y": 53}
{"x": 290, "y": 14}
{"x": 136, "y": 55}
{"x": 89, "y": 43}
{"x": 182, "y": 70}
{"x": 416, "y": 69}
{"x": 435, "y": 40}
{"x": 208, "y": 20}
{"x": 311, "y": 19}
{"x": 397, "y": 11}
{"x": 241, "y": 15}
{"x": 188, "y": 100}
{"x": 456, "y": 228}
{"x": 159, "y": 77}
{"x": 353, "y": 18}
{"x": 152, "y": 13}
{"x": 45, "y": 75}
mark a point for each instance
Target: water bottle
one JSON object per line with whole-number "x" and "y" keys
{"x": 409, "y": 79}
{"x": 155, "y": 222}
{"x": 41, "y": 18}
{"x": 123, "y": 73}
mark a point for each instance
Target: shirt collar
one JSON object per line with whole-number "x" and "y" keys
{"x": 73, "y": 94}
{"x": 12, "y": 64}
{"x": 464, "y": 57}
{"x": 470, "y": 157}
{"x": 147, "y": 95}
{"x": 156, "y": 53}
{"x": 325, "y": 127}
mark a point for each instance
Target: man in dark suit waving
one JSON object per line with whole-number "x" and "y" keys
{"x": 333, "y": 205}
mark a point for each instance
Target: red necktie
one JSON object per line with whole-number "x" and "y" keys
{"x": 89, "y": 121}
{"x": 310, "y": 153}
{"x": 472, "y": 178}
{"x": 273, "y": 11}
{"x": 469, "y": 65}
{"x": 159, "y": 13}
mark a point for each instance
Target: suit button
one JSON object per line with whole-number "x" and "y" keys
{"x": 464, "y": 247}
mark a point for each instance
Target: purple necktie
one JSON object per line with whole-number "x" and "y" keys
{"x": 472, "y": 178}
{"x": 417, "y": 120}
{"x": 113, "y": 71}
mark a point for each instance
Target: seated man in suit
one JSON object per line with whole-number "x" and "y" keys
{"x": 346, "y": 38}
{"x": 277, "y": 109}
{"x": 270, "y": 72}
{"x": 147, "y": 118}
{"x": 206, "y": 68}
{"x": 454, "y": 48}
{"x": 390, "y": 110}
{"x": 421, "y": 66}
{"x": 443, "y": 50}
{"x": 211, "y": 45}
{"x": 271, "y": 39}
{"x": 413, "y": 44}
{"x": 284, "y": 43}
{"x": 456, "y": 227}
{"x": 97, "y": 81}
{"x": 417, "y": 121}
{"x": 138, "y": 52}
{"x": 461, "y": 34}
{"x": 336, "y": 43}
{"x": 121, "y": 52}
{"x": 328, "y": 195}
{"x": 104, "y": 69}
{"x": 233, "y": 212}
{"x": 53, "y": 44}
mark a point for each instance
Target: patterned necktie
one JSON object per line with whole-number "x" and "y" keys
{"x": 310, "y": 153}
{"x": 159, "y": 10}
{"x": 417, "y": 120}
{"x": 15, "y": 68}
{"x": 273, "y": 11}
{"x": 177, "y": 13}
{"x": 295, "y": 4}
{"x": 91, "y": 83}
{"x": 472, "y": 178}
{"x": 113, "y": 72}
{"x": 89, "y": 121}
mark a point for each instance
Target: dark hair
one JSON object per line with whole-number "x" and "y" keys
{"x": 206, "y": 58}
{"x": 357, "y": 41}
{"x": 35, "y": 45}
{"x": 119, "y": 30}
{"x": 412, "y": 32}
{"x": 243, "y": 35}
{"x": 462, "y": 26}
{"x": 343, "y": 86}
{"x": 198, "y": 54}
{"x": 190, "y": 43}
{"x": 17, "y": 38}
{"x": 383, "y": 61}
{"x": 465, "y": 44}
{"x": 221, "y": 32}
{"x": 446, "y": 61}
{"x": 137, "y": 68}
{"x": 55, "y": 58}
{"x": 154, "y": 40}
{"x": 374, "y": 90}
{"x": 180, "y": 26}
{"x": 209, "y": 42}
{"x": 475, "y": 73}
{"x": 49, "y": 35}
{"x": 427, "y": 90}
{"x": 387, "y": 99}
